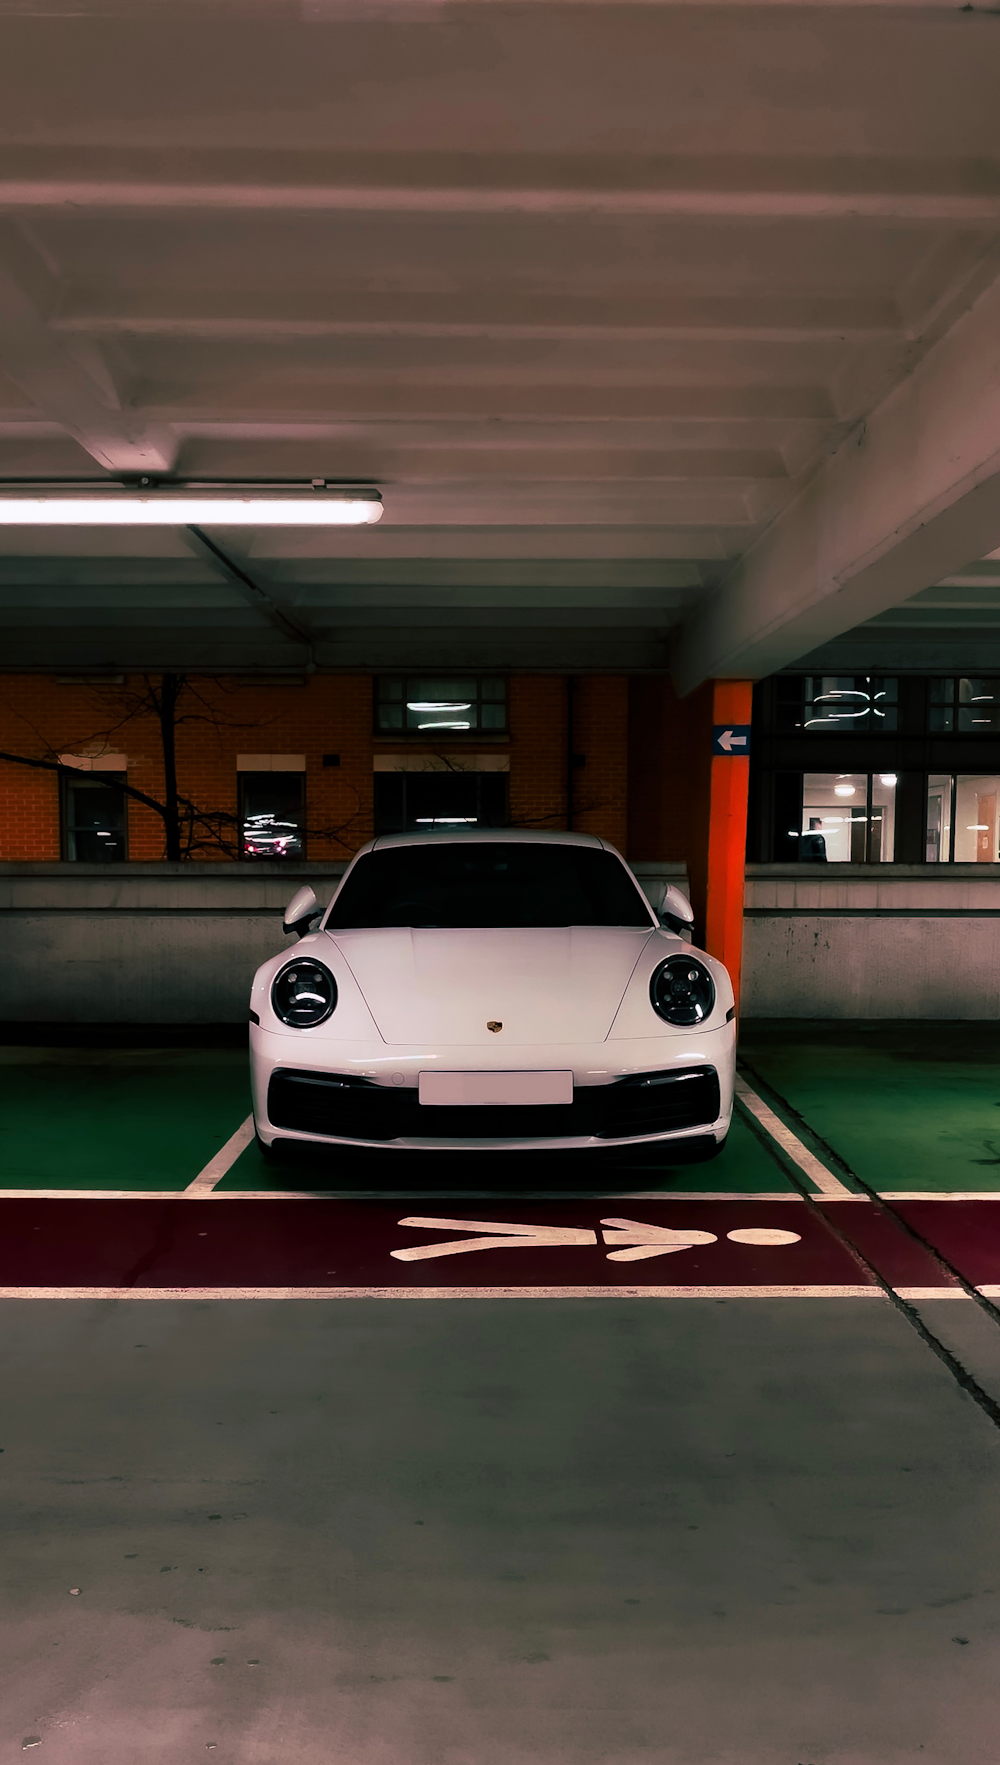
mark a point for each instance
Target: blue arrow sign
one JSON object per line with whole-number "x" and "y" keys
{"x": 731, "y": 739}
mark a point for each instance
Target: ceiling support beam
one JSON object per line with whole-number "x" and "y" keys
{"x": 910, "y": 496}
{"x": 478, "y": 310}
{"x": 711, "y": 195}
{"x": 250, "y": 590}
{"x": 41, "y": 365}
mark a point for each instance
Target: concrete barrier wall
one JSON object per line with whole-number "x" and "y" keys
{"x": 899, "y": 941}
{"x": 150, "y": 943}
{"x": 163, "y": 943}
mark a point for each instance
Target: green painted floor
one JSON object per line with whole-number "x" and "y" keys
{"x": 907, "y": 1106}
{"x": 93, "y": 1117}
{"x": 111, "y": 1118}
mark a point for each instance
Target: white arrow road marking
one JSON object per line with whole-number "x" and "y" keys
{"x": 635, "y": 1241}
{"x": 764, "y": 1235}
{"x": 513, "y": 1237}
{"x": 649, "y": 1240}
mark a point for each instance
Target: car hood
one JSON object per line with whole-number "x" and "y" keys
{"x": 428, "y": 985}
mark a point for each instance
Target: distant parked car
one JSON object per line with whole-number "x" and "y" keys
{"x": 492, "y": 990}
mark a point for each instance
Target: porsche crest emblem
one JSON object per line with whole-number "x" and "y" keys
{"x": 494, "y": 1026}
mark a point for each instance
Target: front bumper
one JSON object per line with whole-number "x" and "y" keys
{"x": 375, "y": 1104}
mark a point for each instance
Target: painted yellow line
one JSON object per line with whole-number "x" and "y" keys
{"x": 223, "y": 1161}
{"x": 791, "y": 1145}
{"x": 442, "y": 1293}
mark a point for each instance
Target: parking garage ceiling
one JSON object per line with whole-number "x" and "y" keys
{"x": 597, "y": 294}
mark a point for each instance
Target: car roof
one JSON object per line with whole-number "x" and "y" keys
{"x": 495, "y": 835}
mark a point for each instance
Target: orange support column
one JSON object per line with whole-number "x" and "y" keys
{"x": 717, "y": 856}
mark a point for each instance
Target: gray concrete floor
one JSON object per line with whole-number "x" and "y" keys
{"x": 479, "y": 1532}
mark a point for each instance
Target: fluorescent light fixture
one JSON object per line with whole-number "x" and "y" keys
{"x": 219, "y": 506}
{"x": 889, "y": 778}
{"x": 444, "y": 726}
{"x": 843, "y": 790}
{"x": 447, "y": 820}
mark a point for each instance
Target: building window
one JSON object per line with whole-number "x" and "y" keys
{"x": 95, "y": 824}
{"x": 962, "y": 818}
{"x": 842, "y": 702}
{"x": 836, "y": 817}
{"x": 434, "y": 705}
{"x": 416, "y": 802}
{"x": 272, "y": 814}
{"x": 966, "y": 705}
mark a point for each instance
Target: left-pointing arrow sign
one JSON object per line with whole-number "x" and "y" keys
{"x": 502, "y": 1235}
{"x": 732, "y": 739}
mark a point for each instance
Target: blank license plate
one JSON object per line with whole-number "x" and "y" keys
{"x": 495, "y": 1087}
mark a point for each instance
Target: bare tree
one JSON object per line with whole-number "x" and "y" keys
{"x": 173, "y": 700}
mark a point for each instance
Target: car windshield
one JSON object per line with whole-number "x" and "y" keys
{"x": 488, "y": 885}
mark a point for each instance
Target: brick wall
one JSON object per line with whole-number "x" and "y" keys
{"x": 600, "y": 740}
{"x": 537, "y": 711}
{"x": 42, "y": 718}
{"x": 666, "y": 741}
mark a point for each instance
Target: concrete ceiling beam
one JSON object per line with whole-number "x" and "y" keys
{"x": 323, "y": 404}
{"x": 909, "y": 497}
{"x": 284, "y": 622}
{"x": 551, "y": 649}
{"x": 79, "y": 398}
{"x": 482, "y": 311}
{"x": 779, "y": 192}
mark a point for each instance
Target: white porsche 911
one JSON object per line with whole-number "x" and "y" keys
{"x": 490, "y": 991}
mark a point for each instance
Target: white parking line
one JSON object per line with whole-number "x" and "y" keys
{"x": 394, "y": 1195}
{"x": 443, "y": 1293}
{"x": 939, "y": 1194}
{"x": 223, "y": 1161}
{"x": 933, "y": 1292}
{"x": 791, "y": 1145}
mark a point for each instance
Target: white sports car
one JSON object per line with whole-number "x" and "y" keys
{"x": 500, "y": 990}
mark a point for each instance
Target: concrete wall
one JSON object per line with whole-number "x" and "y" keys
{"x": 150, "y": 943}
{"x": 900, "y": 940}
{"x": 162, "y": 943}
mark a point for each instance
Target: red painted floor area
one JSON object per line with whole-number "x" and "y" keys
{"x": 901, "y": 1260}
{"x": 242, "y": 1243}
{"x": 347, "y": 1244}
{"x": 967, "y": 1233}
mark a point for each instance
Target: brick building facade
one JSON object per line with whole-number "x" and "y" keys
{"x": 558, "y": 731}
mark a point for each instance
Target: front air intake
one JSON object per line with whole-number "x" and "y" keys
{"x": 344, "y": 1107}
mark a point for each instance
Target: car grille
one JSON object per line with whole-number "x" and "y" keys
{"x": 351, "y": 1108}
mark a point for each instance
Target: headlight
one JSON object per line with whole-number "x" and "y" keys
{"x": 304, "y": 994}
{"x": 682, "y": 991}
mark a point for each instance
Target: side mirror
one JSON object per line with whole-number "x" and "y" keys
{"x": 673, "y": 910}
{"x": 302, "y": 909}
